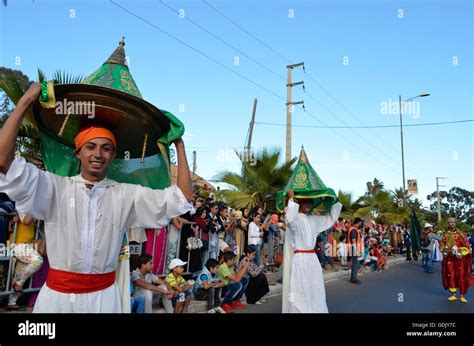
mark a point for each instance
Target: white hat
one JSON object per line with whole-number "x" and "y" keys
{"x": 427, "y": 225}
{"x": 176, "y": 263}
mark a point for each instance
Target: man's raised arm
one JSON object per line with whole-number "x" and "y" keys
{"x": 184, "y": 180}
{"x": 9, "y": 131}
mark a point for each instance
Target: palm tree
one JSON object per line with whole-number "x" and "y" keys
{"x": 374, "y": 187}
{"x": 347, "y": 201}
{"x": 374, "y": 205}
{"x": 398, "y": 196}
{"x": 415, "y": 204}
{"x": 14, "y": 84}
{"x": 258, "y": 181}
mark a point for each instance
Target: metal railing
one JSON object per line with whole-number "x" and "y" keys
{"x": 178, "y": 250}
{"x": 12, "y": 261}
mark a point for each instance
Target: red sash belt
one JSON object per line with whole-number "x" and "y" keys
{"x": 69, "y": 282}
{"x": 304, "y": 251}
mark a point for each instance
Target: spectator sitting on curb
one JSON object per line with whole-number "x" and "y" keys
{"x": 235, "y": 283}
{"x": 145, "y": 285}
{"x": 137, "y": 304}
{"x": 182, "y": 288}
{"x": 208, "y": 286}
{"x": 323, "y": 259}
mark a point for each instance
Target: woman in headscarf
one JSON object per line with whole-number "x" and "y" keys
{"x": 274, "y": 245}
{"x": 200, "y": 219}
{"x": 258, "y": 284}
{"x": 240, "y": 228}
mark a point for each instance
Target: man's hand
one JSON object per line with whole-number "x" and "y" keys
{"x": 291, "y": 194}
{"x": 9, "y": 130}
{"x": 178, "y": 142}
{"x": 184, "y": 180}
{"x": 32, "y": 94}
{"x": 160, "y": 290}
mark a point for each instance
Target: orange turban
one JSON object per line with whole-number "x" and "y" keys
{"x": 88, "y": 133}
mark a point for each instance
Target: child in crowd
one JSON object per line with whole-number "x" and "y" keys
{"x": 371, "y": 259}
{"x": 182, "y": 289}
{"x": 149, "y": 285}
{"x": 235, "y": 283}
{"x": 342, "y": 250}
{"x": 208, "y": 286}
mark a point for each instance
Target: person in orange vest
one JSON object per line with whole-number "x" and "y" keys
{"x": 355, "y": 249}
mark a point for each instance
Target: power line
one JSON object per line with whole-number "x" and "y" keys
{"x": 372, "y": 127}
{"x": 197, "y": 50}
{"x": 351, "y": 113}
{"x": 248, "y": 33}
{"x": 350, "y": 142}
{"x": 238, "y": 74}
{"x": 390, "y": 158}
{"x": 263, "y": 66}
{"x": 311, "y": 78}
{"x": 347, "y": 126}
{"x": 223, "y": 41}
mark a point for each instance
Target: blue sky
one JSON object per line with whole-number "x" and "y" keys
{"x": 427, "y": 48}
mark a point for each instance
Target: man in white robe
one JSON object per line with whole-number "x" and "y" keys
{"x": 303, "y": 281}
{"x": 85, "y": 216}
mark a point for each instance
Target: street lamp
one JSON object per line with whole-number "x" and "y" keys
{"x": 400, "y": 104}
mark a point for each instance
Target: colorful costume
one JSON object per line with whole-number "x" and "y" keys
{"x": 303, "y": 282}
{"x": 456, "y": 265}
{"x": 85, "y": 227}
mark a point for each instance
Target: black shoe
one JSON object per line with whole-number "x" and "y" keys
{"x": 356, "y": 281}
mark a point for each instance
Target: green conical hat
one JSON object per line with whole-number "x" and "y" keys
{"x": 114, "y": 73}
{"x": 118, "y": 105}
{"x": 143, "y": 131}
{"x": 307, "y": 185}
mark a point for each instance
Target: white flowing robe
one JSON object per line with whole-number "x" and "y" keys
{"x": 84, "y": 227}
{"x": 303, "y": 282}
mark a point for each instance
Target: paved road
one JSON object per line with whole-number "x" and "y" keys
{"x": 380, "y": 292}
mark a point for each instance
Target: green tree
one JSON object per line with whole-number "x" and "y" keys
{"x": 347, "y": 201}
{"x": 374, "y": 187}
{"x": 398, "y": 194}
{"x": 258, "y": 181}
{"x": 457, "y": 202}
{"x": 13, "y": 84}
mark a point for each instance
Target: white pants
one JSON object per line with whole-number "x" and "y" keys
{"x": 150, "y": 296}
{"x": 105, "y": 301}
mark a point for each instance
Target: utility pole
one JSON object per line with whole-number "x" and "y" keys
{"x": 289, "y": 107}
{"x": 252, "y": 122}
{"x": 194, "y": 163}
{"x": 439, "y": 197}
{"x": 400, "y": 106}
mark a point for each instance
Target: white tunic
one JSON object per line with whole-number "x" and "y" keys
{"x": 84, "y": 227}
{"x": 303, "y": 282}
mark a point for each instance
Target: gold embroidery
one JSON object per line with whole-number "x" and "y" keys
{"x": 301, "y": 179}
{"x": 128, "y": 84}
